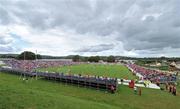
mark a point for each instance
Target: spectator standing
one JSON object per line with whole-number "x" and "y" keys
{"x": 174, "y": 90}
{"x": 112, "y": 89}
{"x": 170, "y": 88}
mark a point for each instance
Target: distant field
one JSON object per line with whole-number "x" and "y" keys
{"x": 165, "y": 68}
{"x": 2, "y": 65}
{"x": 118, "y": 71}
{"x": 42, "y": 94}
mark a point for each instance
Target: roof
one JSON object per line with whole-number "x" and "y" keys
{"x": 177, "y": 65}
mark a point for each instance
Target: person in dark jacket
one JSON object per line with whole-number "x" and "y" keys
{"x": 170, "y": 88}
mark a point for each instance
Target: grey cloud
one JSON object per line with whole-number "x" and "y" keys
{"x": 160, "y": 28}
{"x": 6, "y": 49}
{"x": 5, "y": 40}
{"x": 83, "y": 16}
{"x": 4, "y": 17}
{"x": 96, "y": 48}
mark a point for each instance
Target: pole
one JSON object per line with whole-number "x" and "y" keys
{"x": 36, "y": 64}
{"x": 24, "y": 65}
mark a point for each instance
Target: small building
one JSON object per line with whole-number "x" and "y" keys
{"x": 174, "y": 66}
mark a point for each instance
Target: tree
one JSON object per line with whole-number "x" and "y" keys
{"x": 39, "y": 56}
{"x": 76, "y": 58}
{"x": 111, "y": 59}
{"x": 27, "y": 55}
{"x": 8, "y": 55}
{"x": 94, "y": 59}
{"x": 84, "y": 59}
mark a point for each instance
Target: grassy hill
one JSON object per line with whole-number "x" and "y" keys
{"x": 42, "y": 94}
{"x": 118, "y": 71}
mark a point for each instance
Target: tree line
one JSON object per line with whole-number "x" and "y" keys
{"x": 26, "y": 55}
{"x": 78, "y": 58}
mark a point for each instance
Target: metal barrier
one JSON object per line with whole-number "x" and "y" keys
{"x": 107, "y": 84}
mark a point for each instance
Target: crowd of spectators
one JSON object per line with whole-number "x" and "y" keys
{"x": 152, "y": 75}
{"x": 29, "y": 65}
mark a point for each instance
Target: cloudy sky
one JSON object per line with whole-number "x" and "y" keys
{"x": 140, "y": 28}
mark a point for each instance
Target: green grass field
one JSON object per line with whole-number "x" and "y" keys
{"x": 118, "y": 71}
{"x": 42, "y": 94}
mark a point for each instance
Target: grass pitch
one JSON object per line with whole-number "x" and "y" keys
{"x": 117, "y": 71}
{"x": 42, "y": 94}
